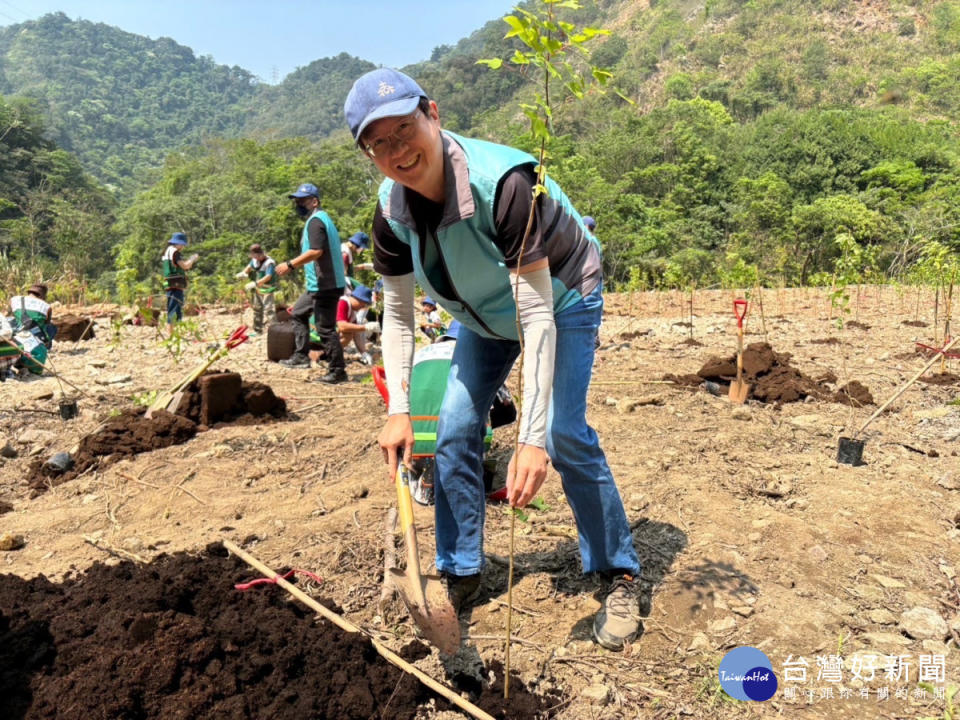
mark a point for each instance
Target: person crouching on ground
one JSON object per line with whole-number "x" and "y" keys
{"x": 432, "y": 326}
{"x": 263, "y": 270}
{"x": 32, "y": 312}
{"x": 451, "y": 216}
{"x": 324, "y": 279}
{"x": 351, "y": 327}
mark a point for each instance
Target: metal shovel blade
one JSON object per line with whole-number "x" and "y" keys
{"x": 437, "y": 620}
{"x": 424, "y": 595}
{"x": 738, "y": 388}
{"x": 739, "y": 391}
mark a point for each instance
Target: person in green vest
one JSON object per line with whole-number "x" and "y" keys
{"x": 32, "y": 312}
{"x": 324, "y": 279}
{"x": 452, "y": 216}
{"x": 175, "y": 269}
{"x": 263, "y": 270}
{"x": 32, "y": 331}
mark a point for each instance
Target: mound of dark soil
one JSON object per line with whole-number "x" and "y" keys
{"x": 223, "y": 398}
{"x": 941, "y": 379}
{"x": 914, "y": 323}
{"x": 857, "y": 325}
{"x": 73, "y": 328}
{"x": 854, "y": 393}
{"x": 214, "y": 400}
{"x": 773, "y": 379}
{"x": 130, "y": 433}
{"x": 174, "y": 639}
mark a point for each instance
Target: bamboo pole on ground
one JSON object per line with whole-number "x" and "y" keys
{"x": 348, "y": 626}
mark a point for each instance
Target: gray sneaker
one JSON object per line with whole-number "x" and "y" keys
{"x": 461, "y": 589}
{"x": 618, "y": 621}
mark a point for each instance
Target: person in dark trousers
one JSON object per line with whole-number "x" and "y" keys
{"x": 263, "y": 286}
{"x": 175, "y": 277}
{"x": 324, "y": 279}
{"x": 452, "y": 217}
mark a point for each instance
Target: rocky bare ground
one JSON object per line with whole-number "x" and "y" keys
{"x": 750, "y": 532}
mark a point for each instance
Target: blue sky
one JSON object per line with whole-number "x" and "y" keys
{"x": 271, "y": 38}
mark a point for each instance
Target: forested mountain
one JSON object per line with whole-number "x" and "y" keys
{"x": 779, "y": 140}
{"x": 119, "y": 101}
{"x": 49, "y": 207}
{"x": 309, "y": 101}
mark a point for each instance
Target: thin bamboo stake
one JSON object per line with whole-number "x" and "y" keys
{"x": 348, "y": 626}
{"x": 946, "y": 326}
{"x": 907, "y": 384}
{"x": 763, "y": 318}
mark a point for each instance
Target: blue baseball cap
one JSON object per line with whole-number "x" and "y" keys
{"x": 306, "y": 190}
{"x": 380, "y": 93}
{"x": 178, "y": 238}
{"x": 589, "y": 222}
{"x": 427, "y": 300}
{"x": 360, "y": 239}
{"x": 362, "y": 293}
{"x": 378, "y": 285}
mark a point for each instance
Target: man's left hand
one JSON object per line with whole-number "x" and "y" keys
{"x": 525, "y": 474}
{"x": 283, "y": 268}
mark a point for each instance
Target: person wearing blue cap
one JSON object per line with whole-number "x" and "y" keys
{"x": 350, "y": 324}
{"x": 175, "y": 277}
{"x": 324, "y": 279}
{"x": 453, "y": 216}
{"x": 432, "y": 326}
{"x": 350, "y": 251}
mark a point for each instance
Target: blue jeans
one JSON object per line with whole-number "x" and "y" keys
{"x": 174, "y": 305}
{"x": 479, "y": 367}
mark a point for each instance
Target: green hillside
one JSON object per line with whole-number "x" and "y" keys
{"x": 119, "y": 101}
{"x": 759, "y": 139}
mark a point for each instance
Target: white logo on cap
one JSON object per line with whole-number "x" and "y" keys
{"x": 385, "y": 89}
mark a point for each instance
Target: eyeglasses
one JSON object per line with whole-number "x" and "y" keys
{"x": 402, "y": 133}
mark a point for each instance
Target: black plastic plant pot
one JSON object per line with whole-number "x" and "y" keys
{"x": 68, "y": 409}
{"x": 850, "y": 452}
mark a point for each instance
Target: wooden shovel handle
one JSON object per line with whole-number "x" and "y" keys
{"x": 348, "y": 626}
{"x": 907, "y": 384}
{"x": 409, "y": 530}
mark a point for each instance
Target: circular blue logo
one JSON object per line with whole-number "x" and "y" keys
{"x": 746, "y": 674}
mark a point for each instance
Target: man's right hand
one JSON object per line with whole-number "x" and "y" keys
{"x": 396, "y": 442}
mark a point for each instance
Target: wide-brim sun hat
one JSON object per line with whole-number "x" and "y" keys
{"x": 360, "y": 239}
{"x": 178, "y": 238}
{"x": 453, "y": 331}
{"x": 363, "y": 294}
{"x": 379, "y": 94}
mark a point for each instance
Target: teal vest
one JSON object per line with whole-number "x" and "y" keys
{"x": 332, "y": 251}
{"x": 483, "y": 293}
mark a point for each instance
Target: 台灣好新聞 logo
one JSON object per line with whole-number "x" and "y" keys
{"x": 747, "y": 674}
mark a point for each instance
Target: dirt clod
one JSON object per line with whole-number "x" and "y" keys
{"x": 73, "y": 328}
{"x": 941, "y": 379}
